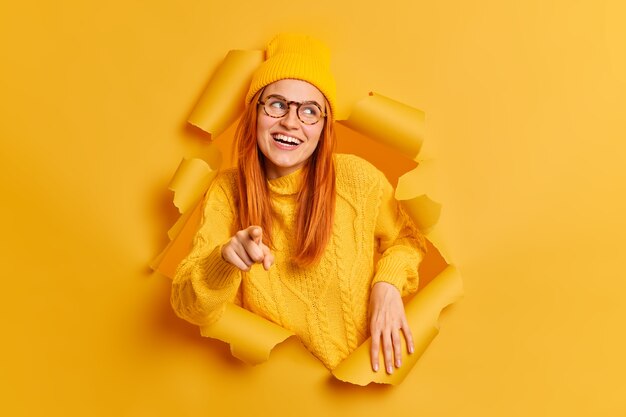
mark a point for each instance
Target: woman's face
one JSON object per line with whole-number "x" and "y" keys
{"x": 286, "y": 142}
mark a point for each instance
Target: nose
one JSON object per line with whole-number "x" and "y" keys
{"x": 290, "y": 120}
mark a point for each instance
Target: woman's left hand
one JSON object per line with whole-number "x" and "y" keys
{"x": 387, "y": 319}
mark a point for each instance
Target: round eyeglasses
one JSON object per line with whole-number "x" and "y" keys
{"x": 309, "y": 112}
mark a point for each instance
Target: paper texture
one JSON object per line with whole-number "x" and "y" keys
{"x": 389, "y": 122}
{"x": 251, "y": 337}
{"x": 223, "y": 99}
{"x": 189, "y": 184}
{"x": 422, "y": 313}
{"x": 394, "y": 124}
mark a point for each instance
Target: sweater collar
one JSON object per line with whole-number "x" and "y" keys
{"x": 288, "y": 184}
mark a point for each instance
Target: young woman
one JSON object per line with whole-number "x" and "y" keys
{"x": 292, "y": 233}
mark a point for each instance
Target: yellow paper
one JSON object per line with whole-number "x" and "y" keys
{"x": 418, "y": 181}
{"x": 223, "y": 99}
{"x": 180, "y": 244}
{"x": 389, "y": 122}
{"x": 190, "y": 182}
{"x": 251, "y": 338}
{"x": 422, "y": 313}
{"x": 418, "y": 192}
{"x": 437, "y": 237}
{"x": 424, "y": 211}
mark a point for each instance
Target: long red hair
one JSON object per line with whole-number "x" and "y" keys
{"x": 315, "y": 201}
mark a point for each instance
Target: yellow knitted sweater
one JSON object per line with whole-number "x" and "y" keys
{"x": 326, "y": 304}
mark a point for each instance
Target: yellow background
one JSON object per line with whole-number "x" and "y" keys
{"x": 525, "y": 105}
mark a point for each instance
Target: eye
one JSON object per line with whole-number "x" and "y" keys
{"x": 276, "y": 103}
{"x": 310, "y": 110}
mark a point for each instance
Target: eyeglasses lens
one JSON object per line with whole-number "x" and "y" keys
{"x": 308, "y": 113}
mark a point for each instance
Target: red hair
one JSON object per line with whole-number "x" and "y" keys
{"x": 315, "y": 201}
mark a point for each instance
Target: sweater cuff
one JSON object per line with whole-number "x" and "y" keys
{"x": 391, "y": 271}
{"x": 218, "y": 272}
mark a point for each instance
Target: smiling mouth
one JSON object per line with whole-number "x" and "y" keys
{"x": 286, "y": 140}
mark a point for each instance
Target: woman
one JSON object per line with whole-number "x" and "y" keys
{"x": 291, "y": 233}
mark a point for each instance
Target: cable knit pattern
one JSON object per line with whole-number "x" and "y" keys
{"x": 325, "y": 304}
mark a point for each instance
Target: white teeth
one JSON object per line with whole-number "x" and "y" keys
{"x": 288, "y": 139}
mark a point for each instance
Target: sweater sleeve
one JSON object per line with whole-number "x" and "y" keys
{"x": 400, "y": 243}
{"x": 204, "y": 282}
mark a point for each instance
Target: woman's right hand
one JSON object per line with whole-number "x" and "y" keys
{"x": 247, "y": 248}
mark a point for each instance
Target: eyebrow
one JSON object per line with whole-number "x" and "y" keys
{"x": 305, "y": 101}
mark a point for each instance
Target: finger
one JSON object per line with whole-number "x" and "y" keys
{"x": 397, "y": 347}
{"x": 254, "y": 251}
{"x": 268, "y": 258}
{"x": 387, "y": 351}
{"x": 375, "y": 348}
{"x": 245, "y": 238}
{"x": 408, "y": 336}
{"x": 255, "y": 233}
{"x": 241, "y": 252}
{"x": 229, "y": 255}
